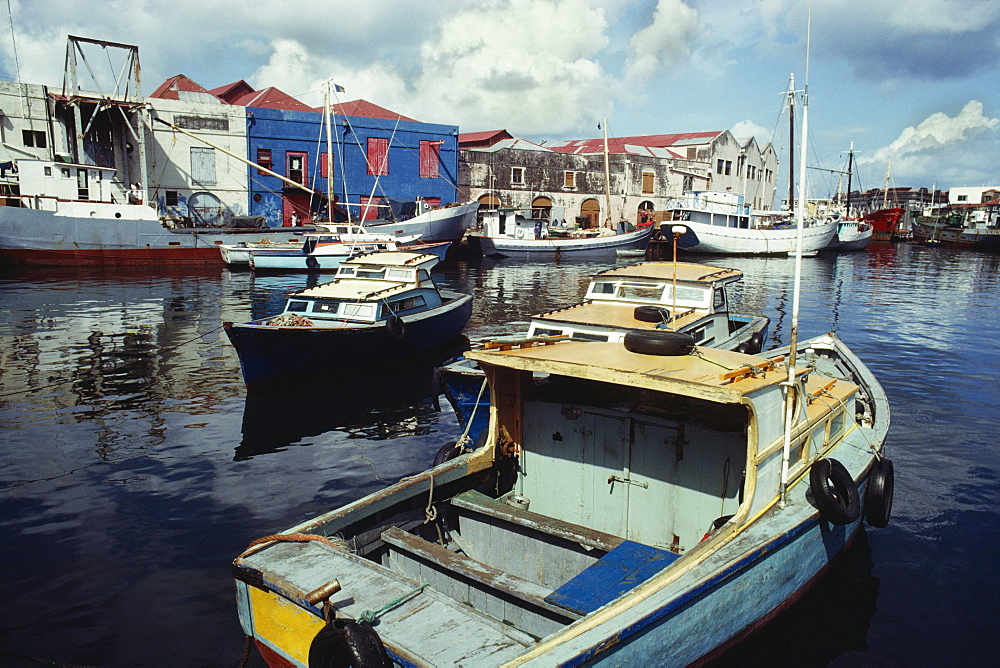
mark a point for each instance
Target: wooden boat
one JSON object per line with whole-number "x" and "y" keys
{"x": 635, "y": 502}
{"x": 635, "y": 298}
{"x": 508, "y": 232}
{"x": 971, "y": 225}
{"x": 381, "y": 308}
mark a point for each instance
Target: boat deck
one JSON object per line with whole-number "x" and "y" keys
{"x": 609, "y": 315}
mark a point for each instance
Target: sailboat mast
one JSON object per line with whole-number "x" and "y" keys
{"x": 885, "y": 191}
{"x": 329, "y": 155}
{"x": 850, "y": 168}
{"x": 607, "y": 177}
{"x": 791, "y": 143}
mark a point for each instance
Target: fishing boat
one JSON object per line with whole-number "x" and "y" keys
{"x": 969, "y": 225}
{"x": 646, "y": 297}
{"x": 722, "y": 224}
{"x": 852, "y": 234}
{"x": 381, "y": 308}
{"x": 417, "y": 219}
{"x": 644, "y": 501}
{"x": 511, "y": 233}
{"x": 66, "y": 214}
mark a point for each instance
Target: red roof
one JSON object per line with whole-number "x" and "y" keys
{"x": 365, "y": 109}
{"x": 232, "y": 91}
{"x": 271, "y": 98}
{"x": 168, "y": 89}
{"x": 482, "y": 139}
{"x": 618, "y": 144}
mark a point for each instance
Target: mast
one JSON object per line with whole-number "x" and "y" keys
{"x": 329, "y": 155}
{"x": 607, "y": 178}
{"x": 885, "y": 191}
{"x": 791, "y": 143}
{"x": 850, "y": 168}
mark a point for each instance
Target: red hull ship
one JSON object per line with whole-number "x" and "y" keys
{"x": 884, "y": 223}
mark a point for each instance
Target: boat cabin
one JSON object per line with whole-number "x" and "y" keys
{"x": 64, "y": 187}
{"x": 723, "y": 209}
{"x": 643, "y": 296}
{"x": 369, "y": 289}
{"x": 513, "y": 223}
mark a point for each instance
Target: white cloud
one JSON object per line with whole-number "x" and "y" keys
{"x": 747, "y": 129}
{"x": 664, "y": 42}
{"x": 958, "y": 149}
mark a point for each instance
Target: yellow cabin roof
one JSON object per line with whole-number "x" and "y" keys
{"x": 689, "y": 272}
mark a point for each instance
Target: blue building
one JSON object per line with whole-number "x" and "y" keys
{"x": 377, "y": 154}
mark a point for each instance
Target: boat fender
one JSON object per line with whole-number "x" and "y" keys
{"x": 448, "y": 451}
{"x": 659, "y": 343}
{"x": 834, "y": 492}
{"x": 519, "y": 233}
{"x": 878, "y": 498}
{"x": 311, "y": 262}
{"x": 344, "y": 642}
{"x": 756, "y": 343}
{"x": 651, "y": 314}
{"x": 395, "y": 325}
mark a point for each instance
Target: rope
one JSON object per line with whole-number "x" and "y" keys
{"x": 371, "y": 615}
{"x": 430, "y": 512}
{"x": 246, "y": 651}
{"x": 294, "y": 538}
{"x": 464, "y": 438}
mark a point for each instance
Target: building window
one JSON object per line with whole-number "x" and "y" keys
{"x": 430, "y": 159}
{"x": 647, "y": 183}
{"x": 296, "y": 164}
{"x": 569, "y": 179}
{"x": 203, "y": 166}
{"x": 324, "y": 166}
{"x": 517, "y": 176}
{"x": 692, "y": 153}
{"x": 378, "y": 156}
{"x": 719, "y": 166}
{"x": 729, "y": 167}
{"x": 34, "y": 138}
{"x": 963, "y": 198}
{"x": 264, "y": 160}
{"x": 170, "y": 198}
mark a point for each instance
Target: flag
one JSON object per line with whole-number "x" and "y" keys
{"x": 338, "y": 88}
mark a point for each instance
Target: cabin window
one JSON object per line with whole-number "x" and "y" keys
{"x": 34, "y": 138}
{"x": 603, "y": 288}
{"x": 378, "y": 156}
{"x": 399, "y": 274}
{"x": 640, "y": 291}
{"x": 345, "y": 271}
{"x": 569, "y": 179}
{"x": 720, "y": 299}
{"x": 325, "y": 307}
{"x": 297, "y": 306}
{"x": 548, "y": 332}
{"x": 48, "y": 171}
{"x": 587, "y": 336}
{"x": 203, "y": 166}
{"x": 65, "y": 173}
{"x": 647, "y": 183}
{"x": 416, "y": 301}
{"x": 430, "y": 158}
{"x": 370, "y": 273}
{"x": 818, "y": 438}
{"x": 517, "y": 176}
{"x": 264, "y": 160}
{"x": 296, "y": 165}
{"x": 422, "y": 275}
{"x": 836, "y": 424}
{"x": 170, "y": 198}
{"x": 359, "y": 311}
{"x": 82, "y": 188}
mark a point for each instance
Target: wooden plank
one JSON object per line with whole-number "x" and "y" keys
{"x": 474, "y": 570}
{"x": 480, "y": 503}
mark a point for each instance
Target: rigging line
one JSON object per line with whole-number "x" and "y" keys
{"x": 383, "y": 167}
{"x": 116, "y": 368}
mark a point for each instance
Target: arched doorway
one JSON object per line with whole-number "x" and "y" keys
{"x": 488, "y": 202}
{"x": 644, "y": 213}
{"x": 541, "y": 207}
{"x": 591, "y": 211}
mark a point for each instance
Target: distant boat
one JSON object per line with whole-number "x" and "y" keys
{"x": 65, "y": 215}
{"x": 884, "y": 223}
{"x": 380, "y": 309}
{"x": 423, "y": 223}
{"x": 971, "y": 225}
{"x": 508, "y": 232}
{"x": 852, "y": 234}
{"x": 721, "y": 224}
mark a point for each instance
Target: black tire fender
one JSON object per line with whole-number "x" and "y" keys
{"x": 878, "y": 498}
{"x": 448, "y": 451}
{"x": 756, "y": 343}
{"x": 659, "y": 343}
{"x": 347, "y": 643}
{"x": 395, "y": 325}
{"x": 834, "y": 492}
{"x": 651, "y": 314}
{"x": 311, "y": 262}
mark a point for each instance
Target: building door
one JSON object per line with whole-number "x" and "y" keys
{"x": 591, "y": 211}
{"x": 294, "y": 208}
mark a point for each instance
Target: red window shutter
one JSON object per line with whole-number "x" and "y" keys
{"x": 430, "y": 158}
{"x": 378, "y": 156}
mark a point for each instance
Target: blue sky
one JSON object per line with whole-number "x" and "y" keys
{"x": 914, "y": 82}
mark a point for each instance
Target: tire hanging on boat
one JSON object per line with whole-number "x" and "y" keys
{"x": 834, "y": 492}
{"x": 344, "y": 643}
{"x": 651, "y": 314}
{"x": 395, "y": 326}
{"x": 659, "y": 343}
{"x": 756, "y": 343}
{"x": 311, "y": 262}
{"x": 878, "y": 498}
{"x": 448, "y": 451}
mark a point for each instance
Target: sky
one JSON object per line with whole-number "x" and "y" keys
{"x": 914, "y": 84}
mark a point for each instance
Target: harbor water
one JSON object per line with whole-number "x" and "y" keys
{"x": 135, "y": 465}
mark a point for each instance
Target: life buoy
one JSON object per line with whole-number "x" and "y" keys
{"x": 834, "y": 492}
{"x": 395, "y": 326}
{"x": 347, "y": 643}
{"x": 448, "y": 451}
{"x": 651, "y": 314}
{"x": 311, "y": 262}
{"x": 519, "y": 233}
{"x": 878, "y": 498}
{"x": 659, "y": 343}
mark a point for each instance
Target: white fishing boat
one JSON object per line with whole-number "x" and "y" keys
{"x": 424, "y": 223}
{"x": 324, "y": 249}
{"x": 509, "y": 232}
{"x": 722, "y": 224}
